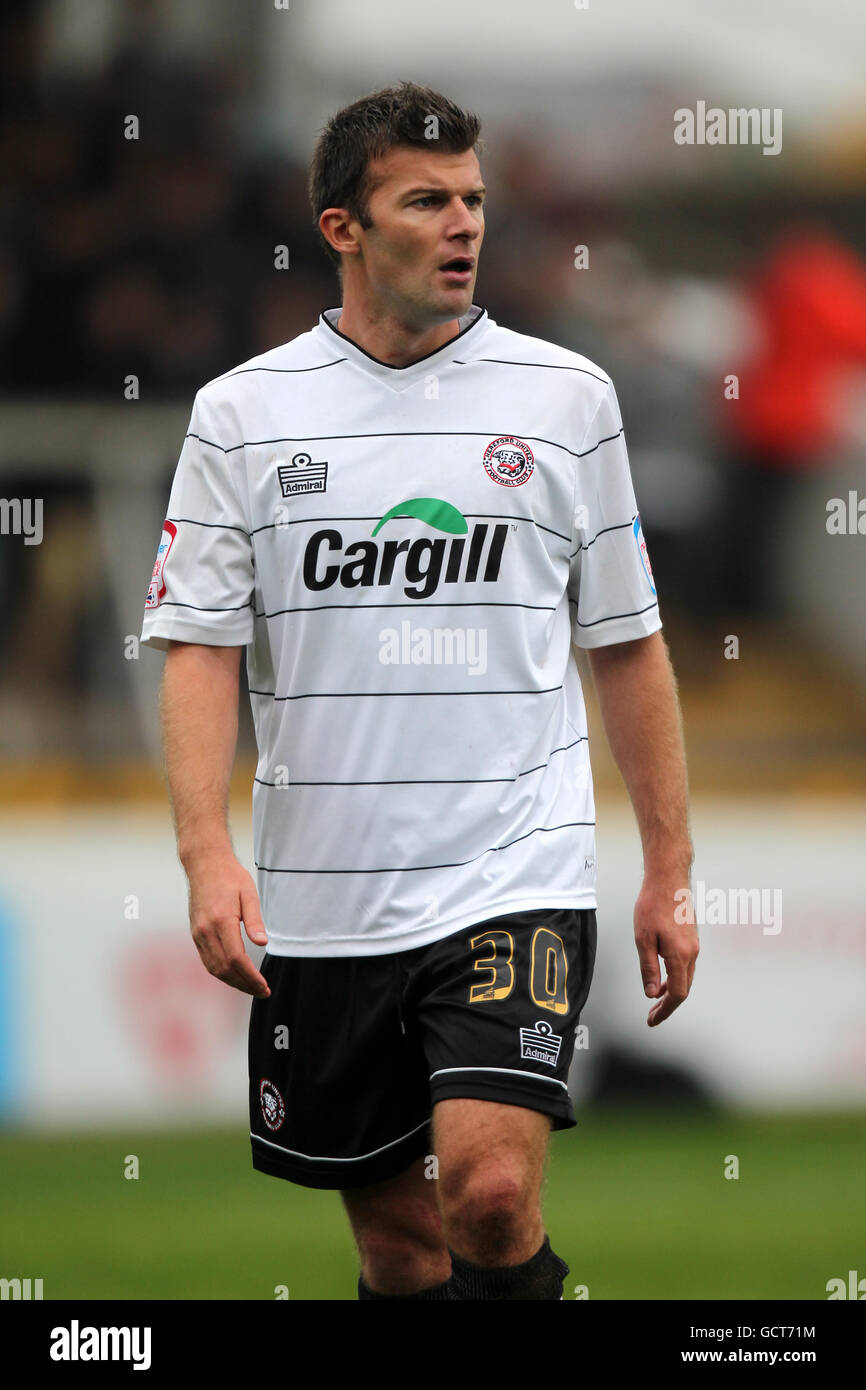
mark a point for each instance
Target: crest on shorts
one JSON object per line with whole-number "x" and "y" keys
{"x": 508, "y": 461}
{"x": 540, "y": 1044}
{"x": 273, "y": 1106}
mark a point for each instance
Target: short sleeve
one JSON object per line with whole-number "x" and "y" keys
{"x": 611, "y": 589}
{"x": 202, "y": 585}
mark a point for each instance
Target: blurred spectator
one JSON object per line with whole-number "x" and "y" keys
{"x": 153, "y": 255}
{"x": 661, "y": 339}
{"x": 808, "y": 297}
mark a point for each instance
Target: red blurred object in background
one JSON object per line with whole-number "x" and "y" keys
{"x": 809, "y": 300}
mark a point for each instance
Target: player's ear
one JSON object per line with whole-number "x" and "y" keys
{"x": 335, "y": 226}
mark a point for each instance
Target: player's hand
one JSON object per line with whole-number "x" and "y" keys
{"x": 221, "y": 896}
{"x": 660, "y": 933}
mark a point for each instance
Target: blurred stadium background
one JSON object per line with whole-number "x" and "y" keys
{"x": 153, "y": 259}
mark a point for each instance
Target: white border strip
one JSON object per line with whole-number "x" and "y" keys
{"x": 511, "y": 1071}
{"x": 323, "y": 1158}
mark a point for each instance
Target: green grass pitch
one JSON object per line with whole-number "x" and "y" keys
{"x": 636, "y": 1202}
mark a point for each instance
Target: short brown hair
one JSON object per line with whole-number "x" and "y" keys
{"x": 366, "y": 130}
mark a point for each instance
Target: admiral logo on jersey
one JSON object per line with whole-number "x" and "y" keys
{"x": 366, "y": 563}
{"x": 303, "y": 475}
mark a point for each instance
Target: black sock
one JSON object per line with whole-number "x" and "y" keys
{"x": 539, "y": 1277}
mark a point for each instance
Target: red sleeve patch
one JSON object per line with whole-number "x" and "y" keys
{"x": 156, "y": 592}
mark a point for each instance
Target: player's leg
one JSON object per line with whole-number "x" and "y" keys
{"x": 398, "y": 1232}
{"x": 499, "y": 1006}
{"x": 491, "y": 1166}
{"x": 340, "y": 1099}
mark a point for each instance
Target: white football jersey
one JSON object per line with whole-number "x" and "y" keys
{"x": 407, "y": 554}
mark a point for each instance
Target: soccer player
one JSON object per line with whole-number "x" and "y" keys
{"x": 406, "y": 515}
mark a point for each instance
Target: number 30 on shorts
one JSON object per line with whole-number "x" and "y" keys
{"x": 548, "y": 973}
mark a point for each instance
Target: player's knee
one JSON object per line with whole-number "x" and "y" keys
{"x": 399, "y": 1238}
{"x": 486, "y": 1208}
{"x": 393, "y": 1262}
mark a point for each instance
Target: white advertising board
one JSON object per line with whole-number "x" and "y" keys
{"x": 108, "y": 1014}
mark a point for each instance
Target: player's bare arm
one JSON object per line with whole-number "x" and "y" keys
{"x": 640, "y": 709}
{"x": 199, "y": 708}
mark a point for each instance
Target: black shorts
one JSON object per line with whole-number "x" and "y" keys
{"x": 349, "y": 1055}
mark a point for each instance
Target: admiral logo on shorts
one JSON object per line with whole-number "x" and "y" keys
{"x": 303, "y": 475}
{"x": 273, "y": 1107}
{"x": 540, "y": 1044}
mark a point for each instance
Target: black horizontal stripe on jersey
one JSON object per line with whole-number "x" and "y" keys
{"x": 213, "y": 525}
{"x": 174, "y": 603}
{"x": 620, "y": 526}
{"x": 612, "y": 617}
{"x": 421, "y": 868}
{"x": 394, "y": 694}
{"x": 397, "y": 434}
{"x": 321, "y": 520}
{"x": 427, "y": 781}
{"x": 419, "y": 606}
{"x": 211, "y": 443}
{"x": 240, "y": 371}
{"x": 325, "y": 520}
{"x": 552, "y": 366}
{"x": 607, "y": 439}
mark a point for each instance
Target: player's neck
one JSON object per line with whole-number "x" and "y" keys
{"x": 390, "y": 340}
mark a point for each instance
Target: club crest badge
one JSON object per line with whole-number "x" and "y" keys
{"x": 508, "y": 461}
{"x": 273, "y": 1106}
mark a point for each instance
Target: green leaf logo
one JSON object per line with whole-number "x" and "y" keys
{"x": 433, "y": 510}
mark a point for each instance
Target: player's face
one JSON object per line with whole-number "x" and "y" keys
{"x": 428, "y": 210}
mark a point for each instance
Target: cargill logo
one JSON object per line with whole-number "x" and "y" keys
{"x": 419, "y": 564}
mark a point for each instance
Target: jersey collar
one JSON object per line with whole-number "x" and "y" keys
{"x": 472, "y": 326}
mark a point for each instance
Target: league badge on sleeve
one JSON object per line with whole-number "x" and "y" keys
{"x": 642, "y": 551}
{"x": 156, "y": 592}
